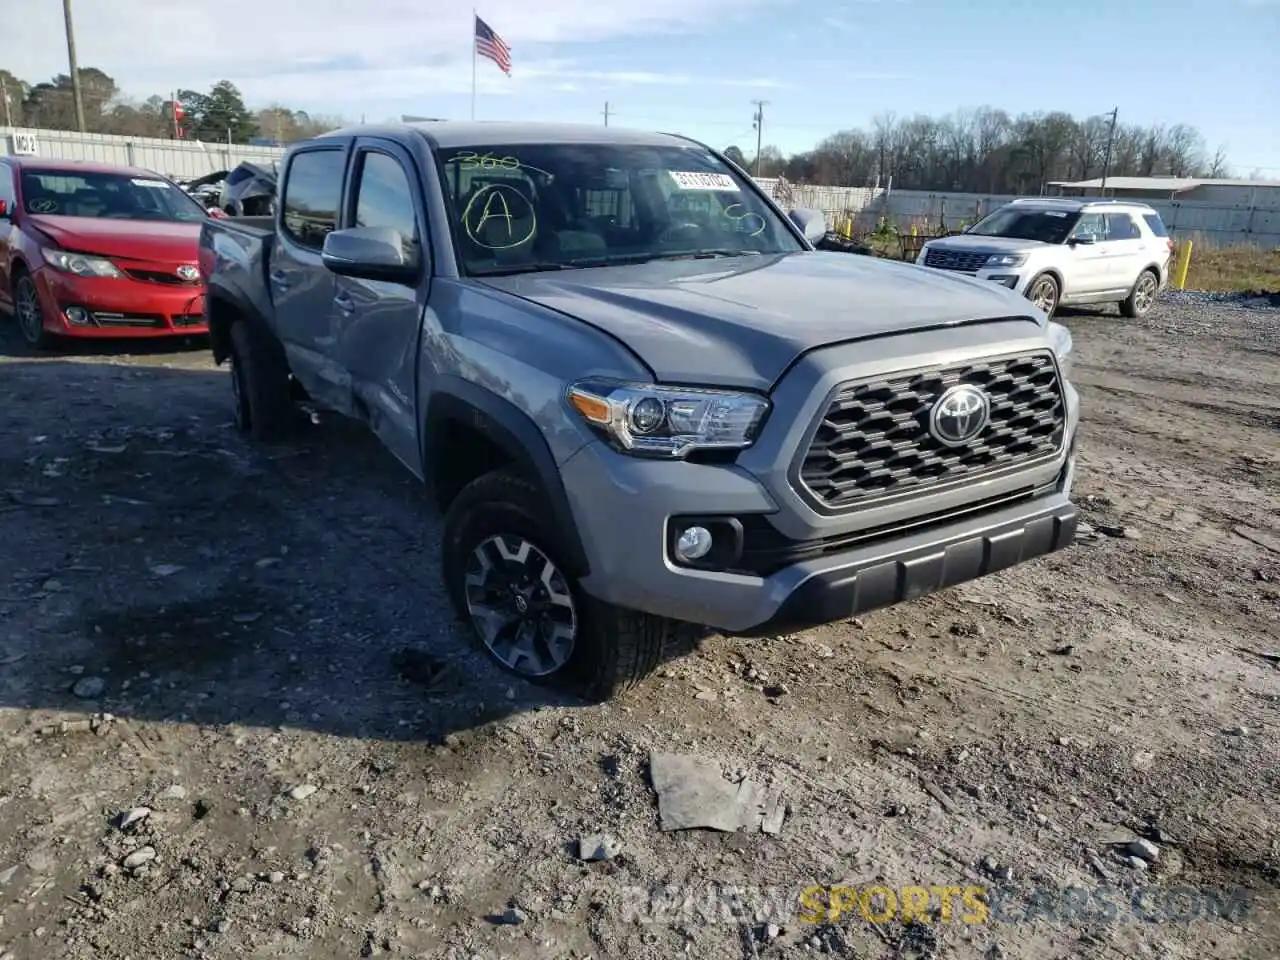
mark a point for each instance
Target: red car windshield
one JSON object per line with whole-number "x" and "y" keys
{"x": 113, "y": 196}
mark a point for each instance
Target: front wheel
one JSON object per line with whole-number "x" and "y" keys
{"x": 1043, "y": 292}
{"x": 1142, "y": 296}
{"x": 260, "y": 391}
{"x": 504, "y": 569}
{"x": 30, "y": 314}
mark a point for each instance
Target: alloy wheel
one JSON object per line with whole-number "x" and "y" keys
{"x": 1045, "y": 294}
{"x": 520, "y": 605}
{"x": 1145, "y": 293}
{"x": 30, "y": 317}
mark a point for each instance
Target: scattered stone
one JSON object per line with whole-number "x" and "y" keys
{"x": 825, "y": 652}
{"x": 302, "y": 791}
{"x": 89, "y": 688}
{"x": 776, "y": 690}
{"x": 175, "y": 792}
{"x": 1236, "y": 731}
{"x": 139, "y": 857}
{"x": 771, "y": 932}
{"x": 274, "y": 877}
{"x": 242, "y": 885}
{"x": 267, "y": 562}
{"x": 1065, "y": 650}
{"x": 512, "y": 916}
{"x": 136, "y": 815}
{"x": 247, "y": 617}
{"x": 708, "y": 695}
{"x": 694, "y": 794}
{"x": 1136, "y": 863}
{"x": 166, "y": 569}
{"x": 1145, "y": 849}
{"x": 598, "y": 846}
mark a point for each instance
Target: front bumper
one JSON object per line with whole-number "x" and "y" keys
{"x": 118, "y": 307}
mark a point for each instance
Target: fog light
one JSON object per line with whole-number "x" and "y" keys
{"x": 77, "y": 315}
{"x": 1004, "y": 281}
{"x": 694, "y": 543}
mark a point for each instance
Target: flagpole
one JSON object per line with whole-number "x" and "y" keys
{"x": 473, "y": 63}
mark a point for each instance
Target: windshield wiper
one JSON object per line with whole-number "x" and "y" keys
{"x": 514, "y": 268}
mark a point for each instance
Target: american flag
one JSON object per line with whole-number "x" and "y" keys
{"x": 489, "y": 44}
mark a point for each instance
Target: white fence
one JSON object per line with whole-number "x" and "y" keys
{"x": 182, "y": 159}
{"x": 1222, "y": 224}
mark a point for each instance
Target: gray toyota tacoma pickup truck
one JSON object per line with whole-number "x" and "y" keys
{"x": 641, "y": 397}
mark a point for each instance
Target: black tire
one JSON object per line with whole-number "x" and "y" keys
{"x": 1142, "y": 296}
{"x": 263, "y": 406}
{"x": 611, "y": 649}
{"x": 29, "y": 314}
{"x": 1048, "y": 284}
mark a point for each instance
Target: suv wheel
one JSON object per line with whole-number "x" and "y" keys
{"x": 1043, "y": 292}
{"x": 504, "y": 573}
{"x": 260, "y": 390}
{"x": 1142, "y": 296}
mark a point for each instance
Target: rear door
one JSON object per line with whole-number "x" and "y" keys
{"x": 378, "y": 323}
{"x": 302, "y": 288}
{"x": 1127, "y": 250}
{"x": 8, "y": 232}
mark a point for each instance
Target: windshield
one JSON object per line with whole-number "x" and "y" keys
{"x": 1046, "y": 226}
{"x": 114, "y": 196}
{"x": 556, "y": 206}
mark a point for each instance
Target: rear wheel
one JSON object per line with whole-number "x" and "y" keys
{"x": 1043, "y": 292}
{"x": 1142, "y": 296}
{"x": 504, "y": 569}
{"x": 260, "y": 392}
{"x": 29, "y": 313}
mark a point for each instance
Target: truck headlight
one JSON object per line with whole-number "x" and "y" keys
{"x": 1060, "y": 340}
{"x": 1006, "y": 260}
{"x": 669, "y": 422}
{"x": 79, "y": 264}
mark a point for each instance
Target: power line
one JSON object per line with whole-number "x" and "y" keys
{"x": 606, "y": 113}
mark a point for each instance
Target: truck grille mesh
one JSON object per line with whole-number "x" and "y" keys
{"x": 962, "y": 260}
{"x": 874, "y": 440}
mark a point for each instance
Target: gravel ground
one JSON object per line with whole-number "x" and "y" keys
{"x": 249, "y": 649}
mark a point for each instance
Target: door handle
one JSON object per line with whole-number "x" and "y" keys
{"x": 280, "y": 279}
{"x": 346, "y": 306}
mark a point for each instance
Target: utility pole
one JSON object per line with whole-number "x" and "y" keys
{"x": 606, "y": 113}
{"x": 75, "y": 68}
{"x": 1111, "y": 136}
{"x": 4, "y": 95}
{"x": 758, "y": 123}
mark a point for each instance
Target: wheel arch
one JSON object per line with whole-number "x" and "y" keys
{"x": 469, "y": 431}
{"x": 223, "y": 308}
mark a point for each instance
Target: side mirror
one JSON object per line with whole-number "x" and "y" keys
{"x": 1080, "y": 240}
{"x": 813, "y": 223}
{"x": 369, "y": 253}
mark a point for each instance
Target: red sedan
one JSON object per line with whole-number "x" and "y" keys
{"x": 93, "y": 250}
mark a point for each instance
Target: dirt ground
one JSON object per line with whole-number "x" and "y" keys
{"x": 239, "y": 622}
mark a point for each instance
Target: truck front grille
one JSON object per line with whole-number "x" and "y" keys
{"x": 962, "y": 260}
{"x": 874, "y": 442}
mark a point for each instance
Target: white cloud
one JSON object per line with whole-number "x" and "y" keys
{"x": 328, "y": 51}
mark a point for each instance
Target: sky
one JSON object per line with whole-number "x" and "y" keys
{"x": 695, "y": 66}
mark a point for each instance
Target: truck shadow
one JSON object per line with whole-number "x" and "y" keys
{"x": 161, "y": 567}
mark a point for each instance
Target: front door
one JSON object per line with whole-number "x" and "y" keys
{"x": 302, "y": 288}
{"x": 379, "y": 322}
{"x": 1088, "y": 274}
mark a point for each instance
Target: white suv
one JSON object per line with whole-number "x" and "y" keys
{"x": 1062, "y": 251}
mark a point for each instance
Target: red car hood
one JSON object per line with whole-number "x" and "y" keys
{"x": 127, "y": 239}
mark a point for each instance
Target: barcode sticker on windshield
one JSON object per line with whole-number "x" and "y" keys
{"x": 139, "y": 182}
{"x": 687, "y": 180}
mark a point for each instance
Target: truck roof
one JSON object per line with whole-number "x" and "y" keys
{"x": 472, "y": 133}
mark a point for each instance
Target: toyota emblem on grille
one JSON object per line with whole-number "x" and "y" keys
{"x": 188, "y": 272}
{"x": 959, "y": 415}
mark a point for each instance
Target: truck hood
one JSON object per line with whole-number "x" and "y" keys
{"x": 742, "y": 321}
{"x": 970, "y": 243}
{"x": 161, "y": 241}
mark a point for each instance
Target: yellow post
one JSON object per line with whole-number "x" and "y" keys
{"x": 913, "y": 230}
{"x": 1184, "y": 263}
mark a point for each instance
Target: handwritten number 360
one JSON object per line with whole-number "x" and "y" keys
{"x": 470, "y": 160}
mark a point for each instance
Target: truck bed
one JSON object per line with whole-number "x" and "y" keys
{"x": 235, "y": 257}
